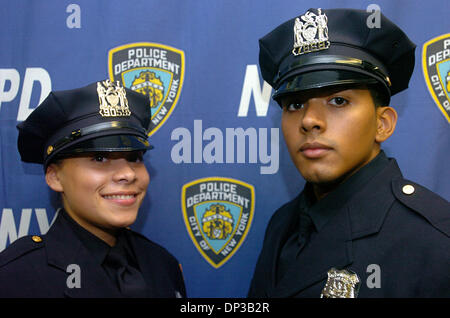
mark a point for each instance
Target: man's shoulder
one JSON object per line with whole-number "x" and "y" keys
{"x": 284, "y": 213}
{"x": 431, "y": 206}
{"x": 290, "y": 205}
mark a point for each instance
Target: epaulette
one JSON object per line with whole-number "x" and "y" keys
{"x": 425, "y": 202}
{"x": 20, "y": 247}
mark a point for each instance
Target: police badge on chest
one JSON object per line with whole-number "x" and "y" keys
{"x": 341, "y": 284}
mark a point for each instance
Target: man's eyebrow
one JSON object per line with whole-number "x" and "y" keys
{"x": 319, "y": 92}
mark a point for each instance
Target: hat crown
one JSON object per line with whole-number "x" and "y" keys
{"x": 68, "y": 117}
{"x": 386, "y": 48}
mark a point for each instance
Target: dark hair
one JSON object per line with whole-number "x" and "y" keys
{"x": 379, "y": 95}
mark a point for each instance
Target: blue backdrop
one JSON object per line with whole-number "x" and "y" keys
{"x": 216, "y": 132}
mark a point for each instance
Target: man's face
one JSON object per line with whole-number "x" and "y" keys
{"x": 330, "y": 132}
{"x": 101, "y": 191}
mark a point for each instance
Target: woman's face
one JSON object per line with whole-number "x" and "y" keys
{"x": 101, "y": 191}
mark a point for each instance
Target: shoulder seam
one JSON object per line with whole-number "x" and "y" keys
{"x": 11, "y": 255}
{"x": 438, "y": 221}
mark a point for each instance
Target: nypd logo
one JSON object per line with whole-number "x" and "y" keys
{"x": 436, "y": 69}
{"x": 218, "y": 213}
{"x": 152, "y": 69}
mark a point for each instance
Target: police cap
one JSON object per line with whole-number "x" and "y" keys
{"x": 100, "y": 117}
{"x": 333, "y": 47}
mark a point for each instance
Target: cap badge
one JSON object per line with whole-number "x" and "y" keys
{"x": 341, "y": 284}
{"x": 310, "y": 33}
{"x": 113, "y": 99}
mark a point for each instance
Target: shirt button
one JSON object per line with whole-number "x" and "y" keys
{"x": 408, "y": 189}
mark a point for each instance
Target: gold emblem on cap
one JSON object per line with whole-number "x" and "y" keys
{"x": 341, "y": 284}
{"x": 49, "y": 150}
{"x": 310, "y": 33}
{"x": 408, "y": 189}
{"x": 113, "y": 99}
{"x": 36, "y": 239}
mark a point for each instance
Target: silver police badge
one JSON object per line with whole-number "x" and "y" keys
{"x": 341, "y": 284}
{"x": 112, "y": 99}
{"x": 310, "y": 33}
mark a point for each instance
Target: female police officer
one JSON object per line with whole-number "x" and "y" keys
{"x": 91, "y": 142}
{"x": 358, "y": 228}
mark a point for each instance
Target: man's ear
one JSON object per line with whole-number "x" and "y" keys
{"x": 386, "y": 121}
{"x": 52, "y": 178}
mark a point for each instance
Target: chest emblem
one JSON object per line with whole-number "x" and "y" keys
{"x": 341, "y": 284}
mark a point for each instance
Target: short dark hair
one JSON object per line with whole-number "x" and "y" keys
{"x": 379, "y": 95}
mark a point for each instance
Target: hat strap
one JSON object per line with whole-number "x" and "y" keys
{"x": 334, "y": 59}
{"x": 78, "y": 133}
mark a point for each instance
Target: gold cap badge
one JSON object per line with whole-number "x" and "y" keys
{"x": 113, "y": 99}
{"x": 341, "y": 284}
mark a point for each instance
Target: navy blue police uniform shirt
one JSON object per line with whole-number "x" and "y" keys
{"x": 377, "y": 234}
{"x": 391, "y": 232}
{"x": 69, "y": 261}
{"x": 320, "y": 212}
{"x": 99, "y": 249}
{"x": 41, "y": 266}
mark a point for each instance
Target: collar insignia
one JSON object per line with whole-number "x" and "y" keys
{"x": 113, "y": 99}
{"x": 341, "y": 284}
{"x": 310, "y": 33}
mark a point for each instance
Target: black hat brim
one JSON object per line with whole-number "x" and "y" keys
{"x": 320, "y": 79}
{"x": 109, "y": 143}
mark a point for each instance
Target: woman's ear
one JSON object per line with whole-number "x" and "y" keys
{"x": 386, "y": 121}
{"x": 52, "y": 178}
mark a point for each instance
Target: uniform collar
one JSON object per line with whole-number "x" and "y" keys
{"x": 322, "y": 211}
{"x": 125, "y": 243}
{"x": 64, "y": 247}
{"x": 96, "y": 246}
{"x": 363, "y": 214}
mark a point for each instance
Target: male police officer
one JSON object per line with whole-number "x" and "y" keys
{"x": 90, "y": 141}
{"x": 357, "y": 215}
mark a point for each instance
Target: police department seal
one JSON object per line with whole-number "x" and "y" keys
{"x": 218, "y": 213}
{"x": 152, "y": 69}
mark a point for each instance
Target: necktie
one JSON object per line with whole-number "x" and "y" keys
{"x": 294, "y": 244}
{"x": 129, "y": 280}
{"x": 305, "y": 227}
